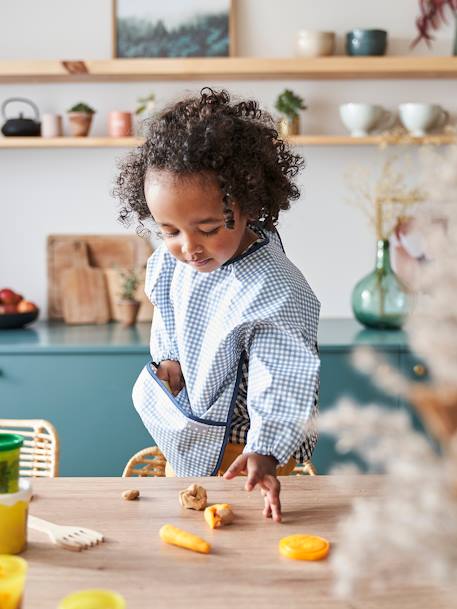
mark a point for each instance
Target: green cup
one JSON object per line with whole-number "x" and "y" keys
{"x": 10, "y": 445}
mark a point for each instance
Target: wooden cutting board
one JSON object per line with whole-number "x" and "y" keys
{"x": 83, "y": 290}
{"x": 105, "y": 252}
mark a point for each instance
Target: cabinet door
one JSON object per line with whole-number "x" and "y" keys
{"x": 87, "y": 397}
{"x": 414, "y": 369}
{"x": 339, "y": 379}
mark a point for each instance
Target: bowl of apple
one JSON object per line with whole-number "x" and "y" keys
{"x": 15, "y": 311}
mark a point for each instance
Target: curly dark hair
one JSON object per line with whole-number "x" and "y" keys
{"x": 235, "y": 142}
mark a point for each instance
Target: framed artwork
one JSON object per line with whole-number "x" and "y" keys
{"x": 173, "y": 28}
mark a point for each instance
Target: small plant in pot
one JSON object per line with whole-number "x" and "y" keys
{"x": 144, "y": 111}
{"x": 128, "y": 305}
{"x": 289, "y": 105}
{"x": 80, "y": 117}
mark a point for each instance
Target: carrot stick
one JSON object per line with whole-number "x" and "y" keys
{"x": 177, "y": 537}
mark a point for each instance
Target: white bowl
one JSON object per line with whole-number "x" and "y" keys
{"x": 311, "y": 43}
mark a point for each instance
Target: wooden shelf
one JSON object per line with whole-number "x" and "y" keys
{"x": 69, "y": 142}
{"x": 226, "y": 68}
{"x": 297, "y": 140}
{"x": 371, "y": 140}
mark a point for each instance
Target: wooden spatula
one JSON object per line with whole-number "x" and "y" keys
{"x": 83, "y": 290}
{"x": 71, "y": 538}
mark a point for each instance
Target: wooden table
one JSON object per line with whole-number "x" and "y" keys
{"x": 244, "y": 570}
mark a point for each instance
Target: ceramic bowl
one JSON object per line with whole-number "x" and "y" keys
{"x": 8, "y": 321}
{"x": 311, "y": 43}
{"x": 366, "y": 42}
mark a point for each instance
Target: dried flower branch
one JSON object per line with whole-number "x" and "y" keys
{"x": 388, "y": 540}
{"x": 384, "y": 200}
{"x": 432, "y": 16}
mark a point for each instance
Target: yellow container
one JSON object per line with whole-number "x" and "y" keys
{"x": 93, "y": 599}
{"x": 12, "y": 581}
{"x": 10, "y": 444}
{"x": 13, "y": 519}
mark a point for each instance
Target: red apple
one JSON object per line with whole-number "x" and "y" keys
{"x": 26, "y": 306}
{"x": 9, "y": 308}
{"x": 8, "y": 296}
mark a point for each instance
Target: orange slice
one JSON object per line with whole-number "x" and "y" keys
{"x": 304, "y": 547}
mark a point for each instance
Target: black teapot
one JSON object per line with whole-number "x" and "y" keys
{"x": 20, "y": 126}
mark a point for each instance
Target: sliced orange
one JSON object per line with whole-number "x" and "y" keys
{"x": 304, "y": 547}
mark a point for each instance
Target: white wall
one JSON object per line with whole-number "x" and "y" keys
{"x": 51, "y": 191}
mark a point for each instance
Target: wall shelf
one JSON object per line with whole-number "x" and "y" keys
{"x": 297, "y": 140}
{"x": 226, "y": 68}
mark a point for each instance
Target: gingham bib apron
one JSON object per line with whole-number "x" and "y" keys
{"x": 258, "y": 306}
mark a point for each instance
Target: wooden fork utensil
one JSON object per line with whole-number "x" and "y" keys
{"x": 70, "y": 538}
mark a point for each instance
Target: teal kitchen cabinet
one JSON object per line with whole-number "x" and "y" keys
{"x": 80, "y": 378}
{"x": 337, "y": 340}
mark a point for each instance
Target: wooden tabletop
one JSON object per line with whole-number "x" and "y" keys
{"x": 244, "y": 568}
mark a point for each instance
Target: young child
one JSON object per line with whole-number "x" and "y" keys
{"x": 234, "y": 331}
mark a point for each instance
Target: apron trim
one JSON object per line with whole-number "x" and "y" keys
{"x": 230, "y": 414}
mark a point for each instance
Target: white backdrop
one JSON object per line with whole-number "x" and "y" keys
{"x": 65, "y": 191}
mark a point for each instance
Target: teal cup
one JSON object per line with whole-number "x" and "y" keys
{"x": 366, "y": 42}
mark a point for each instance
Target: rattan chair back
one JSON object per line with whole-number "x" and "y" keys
{"x": 147, "y": 462}
{"x": 39, "y": 455}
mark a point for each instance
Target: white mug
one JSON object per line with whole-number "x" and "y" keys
{"x": 51, "y": 125}
{"x": 359, "y": 118}
{"x": 418, "y": 118}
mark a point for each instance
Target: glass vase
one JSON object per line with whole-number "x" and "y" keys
{"x": 380, "y": 300}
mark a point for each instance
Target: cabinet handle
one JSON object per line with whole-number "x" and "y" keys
{"x": 419, "y": 370}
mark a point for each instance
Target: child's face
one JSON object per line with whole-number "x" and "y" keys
{"x": 189, "y": 214}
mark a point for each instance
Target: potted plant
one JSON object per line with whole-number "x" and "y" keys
{"x": 80, "y": 117}
{"x": 144, "y": 109}
{"x": 289, "y": 105}
{"x": 128, "y": 304}
{"x": 432, "y": 16}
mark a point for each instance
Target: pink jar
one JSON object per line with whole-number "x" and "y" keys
{"x": 120, "y": 124}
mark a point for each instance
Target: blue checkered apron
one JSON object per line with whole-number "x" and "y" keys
{"x": 257, "y": 306}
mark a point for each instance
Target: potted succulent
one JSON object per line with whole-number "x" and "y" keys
{"x": 144, "y": 109}
{"x": 432, "y": 15}
{"x": 80, "y": 118}
{"x": 289, "y": 105}
{"x": 128, "y": 305}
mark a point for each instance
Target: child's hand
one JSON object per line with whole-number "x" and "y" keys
{"x": 170, "y": 371}
{"x": 261, "y": 470}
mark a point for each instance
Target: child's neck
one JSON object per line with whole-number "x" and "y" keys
{"x": 249, "y": 237}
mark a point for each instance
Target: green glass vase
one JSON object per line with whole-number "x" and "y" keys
{"x": 380, "y": 300}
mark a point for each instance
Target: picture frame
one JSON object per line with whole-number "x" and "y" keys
{"x": 176, "y": 28}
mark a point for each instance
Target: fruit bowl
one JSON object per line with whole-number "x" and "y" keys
{"x": 8, "y": 321}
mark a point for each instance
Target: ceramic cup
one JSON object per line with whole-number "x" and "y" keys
{"x": 418, "y": 118}
{"x": 366, "y": 42}
{"x": 51, "y": 125}
{"x": 120, "y": 124}
{"x": 360, "y": 119}
{"x": 311, "y": 43}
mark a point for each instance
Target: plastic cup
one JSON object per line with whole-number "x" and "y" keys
{"x": 10, "y": 444}
{"x": 93, "y": 599}
{"x": 12, "y": 581}
{"x": 14, "y": 509}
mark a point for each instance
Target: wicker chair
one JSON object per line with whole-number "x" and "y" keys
{"x": 304, "y": 469}
{"x": 39, "y": 455}
{"x": 147, "y": 462}
{"x": 151, "y": 462}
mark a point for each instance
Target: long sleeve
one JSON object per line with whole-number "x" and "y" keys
{"x": 282, "y": 383}
{"x": 159, "y": 274}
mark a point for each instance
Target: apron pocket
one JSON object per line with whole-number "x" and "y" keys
{"x": 192, "y": 445}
